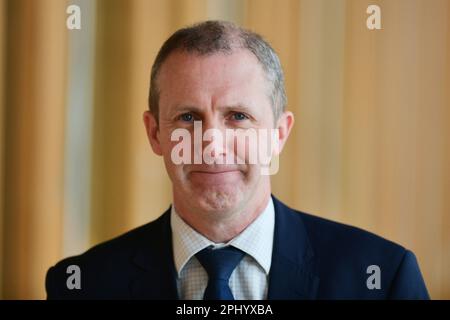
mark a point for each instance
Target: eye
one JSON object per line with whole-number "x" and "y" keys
{"x": 187, "y": 117}
{"x": 239, "y": 116}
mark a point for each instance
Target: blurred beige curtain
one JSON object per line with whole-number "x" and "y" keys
{"x": 33, "y": 81}
{"x": 370, "y": 147}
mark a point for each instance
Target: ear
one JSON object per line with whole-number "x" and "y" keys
{"x": 284, "y": 126}
{"x": 151, "y": 126}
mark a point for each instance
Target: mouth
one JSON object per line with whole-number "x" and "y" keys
{"x": 216, "y": 176}
{"x": 214, "y": 171}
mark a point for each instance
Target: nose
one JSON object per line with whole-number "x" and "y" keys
{"x": 214, "y": 149}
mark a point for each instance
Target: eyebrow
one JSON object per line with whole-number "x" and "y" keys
{"x": 186, "y": 108}
{"x": 196, "y": 109}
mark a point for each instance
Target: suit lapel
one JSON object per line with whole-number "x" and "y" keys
{"x": 292, "y": 270}
{"x": 156, "y": 275}
{"x": 291, "y": 274}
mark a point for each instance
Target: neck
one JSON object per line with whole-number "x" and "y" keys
{"x": 226, "y": 226}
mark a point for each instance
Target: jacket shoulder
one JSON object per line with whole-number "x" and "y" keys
{"x": 327, "y": 233}
{"x": 347, "y": 256}
{"x": 100, "y": 265}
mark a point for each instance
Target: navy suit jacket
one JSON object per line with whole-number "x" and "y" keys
{"x": 313, "y": 258}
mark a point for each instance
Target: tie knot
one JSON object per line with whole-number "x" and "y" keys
{"x": 220, "y": 263}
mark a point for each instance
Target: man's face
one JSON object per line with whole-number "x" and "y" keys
{"x": 223, "y": 91}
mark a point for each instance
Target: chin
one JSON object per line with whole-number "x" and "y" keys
{"x": 220, "y": 200}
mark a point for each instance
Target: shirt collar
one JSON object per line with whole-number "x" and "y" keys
{"x": 256, "y": 240}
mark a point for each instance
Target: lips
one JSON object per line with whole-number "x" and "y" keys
{"x": 215, "y": 176}
{"x": 213, "y": 169}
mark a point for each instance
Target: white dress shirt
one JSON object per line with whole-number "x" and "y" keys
{"x": 249, "y": 280}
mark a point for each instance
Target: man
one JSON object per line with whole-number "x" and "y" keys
{"x": 225, "y": 236}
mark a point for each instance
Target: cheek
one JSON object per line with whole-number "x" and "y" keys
{"x": 167, "y": 146}
{"x": 246, "y": 146}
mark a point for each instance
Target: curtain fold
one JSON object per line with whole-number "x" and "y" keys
{"x": 34, "y": 80}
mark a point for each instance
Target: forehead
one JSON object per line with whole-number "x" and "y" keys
{"x": 233, "y": 78}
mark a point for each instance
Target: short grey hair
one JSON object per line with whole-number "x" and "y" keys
{"x": 210, "y": 37}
